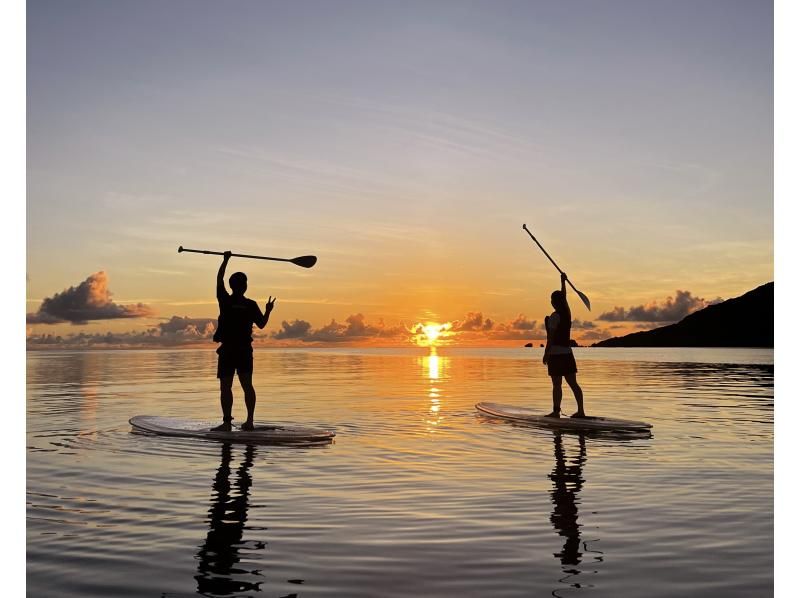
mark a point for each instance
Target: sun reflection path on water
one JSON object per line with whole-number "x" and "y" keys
{"x": 434, "y": 366}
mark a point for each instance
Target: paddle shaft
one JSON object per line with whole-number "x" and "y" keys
{"x": 181, "y": 249}
{"x": 552, "y": 261}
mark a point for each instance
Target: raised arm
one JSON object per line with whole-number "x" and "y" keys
{"x": 221, "y": 291}
{"x": 564, "y": 293}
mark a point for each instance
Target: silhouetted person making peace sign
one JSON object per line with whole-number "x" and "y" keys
{"x": 237, "y": 314}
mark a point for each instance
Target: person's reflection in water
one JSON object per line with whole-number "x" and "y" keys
{"x": 218, "y": 557}
{"x": 567, "y": 480}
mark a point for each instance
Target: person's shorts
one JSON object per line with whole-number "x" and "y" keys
{"x": 234, "y": 360}
{"x": 561, "y": 365}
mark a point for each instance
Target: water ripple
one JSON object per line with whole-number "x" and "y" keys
{"x": 419, "y": 495}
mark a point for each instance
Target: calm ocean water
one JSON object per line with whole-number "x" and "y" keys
{"x": 419, "y": 495}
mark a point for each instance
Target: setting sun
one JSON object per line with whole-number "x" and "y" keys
{"x": 428, "y": 334}
{"x": 432, "y": 331}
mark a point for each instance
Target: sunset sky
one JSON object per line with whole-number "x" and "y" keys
{"x": 404, "y": 144}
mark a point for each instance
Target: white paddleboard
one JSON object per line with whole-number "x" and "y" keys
{"x": 263, "y": 433}
{"x": 523, "y": 414}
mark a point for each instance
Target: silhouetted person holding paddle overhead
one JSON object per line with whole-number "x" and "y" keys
{"x": 558, "y": 352}
{"x": 237, "y": 314}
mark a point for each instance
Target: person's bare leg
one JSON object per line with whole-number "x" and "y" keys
{"x": 556, "y": 397}
{"x": 576, "y": 390}
{"x": 246, "y": 380}
{"x": 226, "y": 402}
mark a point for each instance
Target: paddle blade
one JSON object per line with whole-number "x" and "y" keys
{"x": 585, "y": 300}
{"x": 305, "y": 261}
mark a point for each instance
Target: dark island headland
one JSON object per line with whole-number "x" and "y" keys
{"x": 745, "y": 321}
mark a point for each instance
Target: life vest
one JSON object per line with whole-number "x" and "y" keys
{"x": 558, "y": 329}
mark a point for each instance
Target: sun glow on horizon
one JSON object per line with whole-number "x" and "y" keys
{"x": 430, "y": 334}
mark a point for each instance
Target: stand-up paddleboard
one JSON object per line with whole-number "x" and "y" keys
{"x": 263, "y": 434}
{"x": 529, "y": 416}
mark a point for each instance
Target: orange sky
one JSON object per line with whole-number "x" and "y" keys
{"x": 406, "y": 153}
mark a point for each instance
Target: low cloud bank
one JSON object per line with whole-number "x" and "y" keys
{"x": 90, "y": 300}
{"x": 473, "y": 329}
{"x": 176, "y": 331}
{"x": 471, "y": 322}
{"x": 355, "y": 328}
{"x": 671, "y": 309}
{"x": 187, "y": 328}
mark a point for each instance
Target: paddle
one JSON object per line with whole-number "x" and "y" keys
{"x": 583, "y": 297}
{"x": 304, "y": 261}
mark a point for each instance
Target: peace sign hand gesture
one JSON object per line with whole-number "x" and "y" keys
{"x": 270, "y": 304}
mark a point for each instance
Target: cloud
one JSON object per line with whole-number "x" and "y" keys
{"x": 90, "y": 300}
{"x": 520, "y": 328}
{"x": 295, "y": 329}
{"x": 183, "y": 331}
{"x": 670, "y": 310}
{"x": 475, "y": 327}
{"x": 188, "y": 328}
{"x": 522, "y": 323}
{"x": 355, "y": 328}
{"x": 473, "y": 321}
{"x": 333, "y": 332}
{"x": 174, "y": 332}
